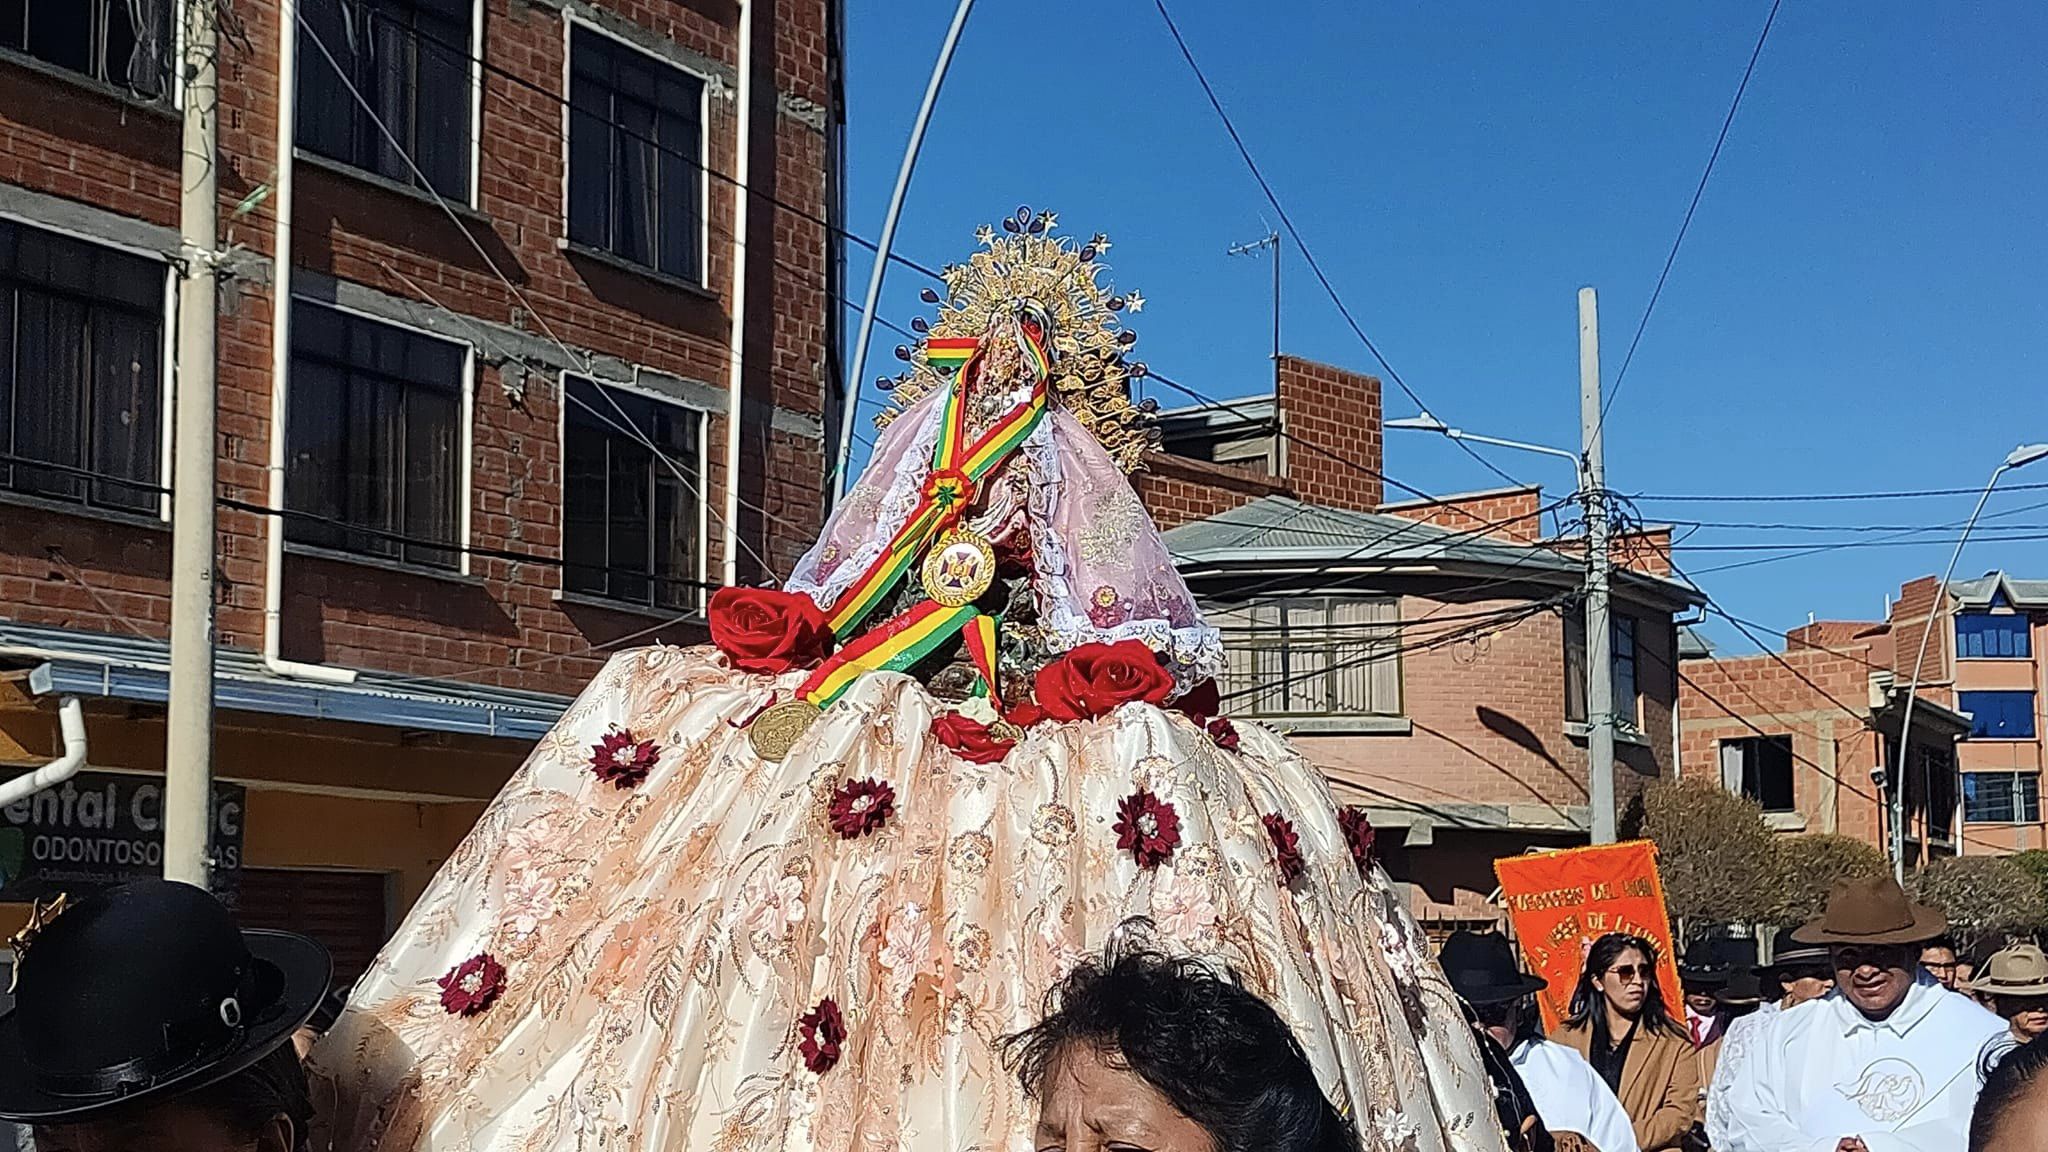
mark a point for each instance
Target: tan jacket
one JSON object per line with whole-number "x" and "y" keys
{"x": 1660, "y": 1084}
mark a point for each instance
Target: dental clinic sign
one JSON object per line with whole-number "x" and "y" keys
{"x": 99, "y": 829}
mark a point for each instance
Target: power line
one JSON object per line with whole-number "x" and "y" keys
{"x": 1308, "y": 256}
{"x": 1822, "y": 497}
{"x": 1685, "y": 224}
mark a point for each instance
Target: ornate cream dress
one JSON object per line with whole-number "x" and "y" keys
{"x": 656, "y": 938}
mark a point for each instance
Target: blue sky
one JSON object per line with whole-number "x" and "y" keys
{"x": 1859, "y": 305}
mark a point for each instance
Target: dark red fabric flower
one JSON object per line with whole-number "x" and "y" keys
{"x": 1224, "y": 733}
{"x": 1286, "y": 846}
{"x": 860, "y": 806}
{"x": 970, "y": 738}
{"x": 1358, "y": 834}
{"x": 766, "y": 630}
{"x": 472, "y": 986}
{"x": 1093, "y": 679}
{"x": 1148, "y": 828}
{"x": 1200, "y": 702}
{"x": 823, "y": 1031}
{"x": 622, "y": 758}
{"x": 1025, "y": 713}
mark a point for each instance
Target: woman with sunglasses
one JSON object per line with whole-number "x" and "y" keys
{"x": 1620, "y": 1024}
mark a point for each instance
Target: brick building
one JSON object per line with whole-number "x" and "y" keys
{"x": 1808, "y": 755}
{"x": 489, "y": 385}
{"x": 1427, "y": 655}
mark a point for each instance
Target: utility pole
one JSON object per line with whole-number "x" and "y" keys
{"x": 1252, "y": 248}
{"x": 1599, "y": 637}
{"x": 188, "y": 749}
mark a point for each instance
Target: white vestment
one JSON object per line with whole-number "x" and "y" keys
{"x": 1738, "y": 1045}
{"x": 1822, "y": 1072}
{"x": 1571, "y": 1097}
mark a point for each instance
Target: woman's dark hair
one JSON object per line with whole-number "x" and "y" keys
{"x": 250, "y": 1099}
{"x": 1586, "y": 997}
{"x": 2005, "y": 1087}
{"x": 1220, "y": 1055}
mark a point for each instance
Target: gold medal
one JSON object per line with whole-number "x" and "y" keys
{"x": 959, "y": 568}
{"x": 775, "y": 731}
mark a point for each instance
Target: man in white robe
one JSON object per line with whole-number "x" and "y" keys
{"x": 1569, "y": 1096}
{"x": 1797, "y": 973}
{"x": 1887, "y": 1062}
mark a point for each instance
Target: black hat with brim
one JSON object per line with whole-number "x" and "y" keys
{"x": 1481, "y": 968}
{"x": 143, "y": 993}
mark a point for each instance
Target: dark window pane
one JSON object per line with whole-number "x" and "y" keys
{"x": 61, "y": 33}
{"x": 635, "y": 183}
{"x": 584, "y": 513}
{"x": 373, "y": 437}
{"x": 14, "y": 24}
{"x": 631, "y": 517}
{"x": 441, "y": 113}
{"x": 635, "y": 225}
{"x": 6, "y": 385}
{"x": 125, "y": 398}
{"x": 408, "y": 60}
{"x": 590, "y": 189}
{"x": 50, "y": 413}
{"x": 327, "y": 114}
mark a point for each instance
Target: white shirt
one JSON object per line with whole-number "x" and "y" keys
{"x": 1822, "y": 1071}
{"x": 1571, "y": 1097}
{"x": 1738, "y": 1043}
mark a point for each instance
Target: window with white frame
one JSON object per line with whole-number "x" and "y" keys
{"x": 632, "y": 513}
{"x": 125, "y": 43}
{"x": 81, "y": 370}
{"x": 410, "y": 62}
{"x": 1311, "y": 656}
{"x": 374, "y": 438}
{"x": 636, "y": 151}
{"x": 1621, "y": 658}
{"x": 2002, "y": 797}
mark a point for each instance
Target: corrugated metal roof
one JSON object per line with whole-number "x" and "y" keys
{"x": 2018, "y": 593}
{"x": 74, "y": 662}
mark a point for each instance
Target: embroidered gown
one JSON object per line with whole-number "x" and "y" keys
{"x": 693, "y": 947}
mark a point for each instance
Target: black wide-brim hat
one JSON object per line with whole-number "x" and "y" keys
{"x": 142, "y": 993}
{"x": 1481, "y": 968}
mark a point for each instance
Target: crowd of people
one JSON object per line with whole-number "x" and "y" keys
{"x": 147, "y": 1020}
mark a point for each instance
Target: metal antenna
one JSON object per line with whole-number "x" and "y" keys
{"x": 1270, "y": 240}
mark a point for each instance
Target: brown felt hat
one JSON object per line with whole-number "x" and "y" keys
{"x": 1872, "y": 911}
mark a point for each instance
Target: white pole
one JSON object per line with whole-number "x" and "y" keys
{"x": 188, "y": 747}
{"x": 1934, "y": 611}
{"x": 735, "y": 394}
{"x": 1599, "y": 654}
{"x": 854, "y": 379}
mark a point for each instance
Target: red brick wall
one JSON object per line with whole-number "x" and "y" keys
{"x": 1177, "y": 490}
{"x": 1909, "y": 623}
{"x": 503, "y": 621}
{"x": 1512, "y": 514}
{"x": 1337, "y": 411}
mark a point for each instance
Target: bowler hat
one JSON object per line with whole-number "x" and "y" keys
{"x": 1788, "y": 953}
{"x": 144, "y": 992}
{"x": 1872, "y": 910}
{"x": 2016, "y": 970}
{"x": 1482, "y": 969}
{"x": 1741, "y": 989}
{"x": 1703, "y": 967}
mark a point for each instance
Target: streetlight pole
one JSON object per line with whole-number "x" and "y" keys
{"x": 2019, "y": 457}
{"x": 1591, "y": 473}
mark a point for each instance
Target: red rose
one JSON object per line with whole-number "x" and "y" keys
{"x": 823, "y": 1031}
{"x": 970, "y": 738}
{"x": 1224, "y": 733}
{"x": 1358, "y": 834}
{"x": 764, "y": 630}
{"x": 622, "y": 759}
{"x": 1093, "y": 679}
{"x": 472, "y": 986}
{"x": 1200, "y": 702}
{"x": 1147, "y": 827}
{"x": 1286, "y": 846}
{"x": 859, "y": 807}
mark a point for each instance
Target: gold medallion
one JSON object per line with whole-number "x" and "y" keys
{"x": 959, "y": 568}
{"x": 775, "y": 731}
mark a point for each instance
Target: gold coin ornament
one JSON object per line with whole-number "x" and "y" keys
{"x": 776, "y": 730}
{"x": 959, "y": 568}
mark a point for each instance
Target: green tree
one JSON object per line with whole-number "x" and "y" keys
{"x": 1716, "y": 856}
{"x": 1811, "y": 866}
{"x": 1982, "y": 895}
{"x": 2035, "y": 861}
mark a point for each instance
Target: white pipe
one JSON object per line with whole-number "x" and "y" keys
{"x": 854, "y": 381}
{"x": 280, "y": 373}
{"x": 735, "y": 394}
{"x": 71, "y": 718}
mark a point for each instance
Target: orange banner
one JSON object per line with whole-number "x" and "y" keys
{"x": 1560, "y": 902}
